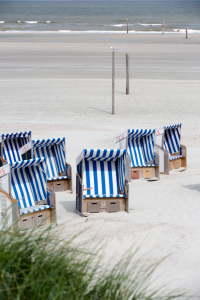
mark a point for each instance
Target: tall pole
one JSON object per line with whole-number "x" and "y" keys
{"x": 163, "y": 28}
{"x": 127, "y": 25}
{"x": 113, "y": 82}
{"x": 127, "y": 74}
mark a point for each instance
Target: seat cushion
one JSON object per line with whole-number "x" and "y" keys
{"x": 105, "y": 196}
{"x": 31, "y": 209}
{"x": 144, "y": 166}
{"x": 175, "y": 157}
{"x": 57, "y": 178}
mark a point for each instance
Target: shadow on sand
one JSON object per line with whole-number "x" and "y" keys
{"x": 107, "y": 112}
{"x": 195, "y": 187}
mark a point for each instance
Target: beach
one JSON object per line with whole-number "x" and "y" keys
{"x": 59, "y": 85}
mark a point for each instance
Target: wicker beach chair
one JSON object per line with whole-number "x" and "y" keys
{"x": 59, "y": 173}
{"x": 101, "y": 184}
{"x": 172, "y": 154}
{"x": 140, "y": 146}
{"x": 24, "y": 184}
{"x": 15, "y": 147}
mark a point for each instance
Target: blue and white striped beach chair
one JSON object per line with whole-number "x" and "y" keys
{"x": 140, "y": 146}
{"x": 168, "y": 145}
{"x": 101, "y": 184}
{"x": 25, "y": 182}
{"x": 59, "y": 173}
{"x": 15, "y": 147}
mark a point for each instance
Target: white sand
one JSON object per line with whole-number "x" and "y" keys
{"x": 61, "y": 86}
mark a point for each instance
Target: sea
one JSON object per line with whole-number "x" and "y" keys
{"x": 99, "y": 16}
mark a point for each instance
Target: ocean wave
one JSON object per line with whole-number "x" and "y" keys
{"x": 2, "y": 22}
{"x": 64, "y": 30}
{"x": 149, "y": 24}
{"x": 180, "y": 31}
{"x": 184, "y": 30}
{"x": 48, "y": 21}
{"x": 31, "y": 22}
{"x": 119, "y": 25}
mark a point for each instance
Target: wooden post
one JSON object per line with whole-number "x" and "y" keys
{"x": 186, "y": 33}
{"x": 127, "y": 25}
{"x": 113, "y": 82}
{"x": 127, "y": 74}
{"x": 163, "y": 28}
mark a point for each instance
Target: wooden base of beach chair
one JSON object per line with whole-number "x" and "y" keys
{"x": 177, "y": 163}
{"x": 60, "y": 185}
{"x": 144, "y": 172}
{"x": 37, "y": 218}
{"x": 105, "y": 205}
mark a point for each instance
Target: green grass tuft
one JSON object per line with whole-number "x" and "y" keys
{"x": 39, "y": 265}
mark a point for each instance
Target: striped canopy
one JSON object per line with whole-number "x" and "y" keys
{"x": 140, "y": 146}
{"x": 104, "y": 172}
{"x": 29, "y": 182}
{"x": 12, "y": 143}
{"x": 54, "y": 151}
{"x": 138, "y": 133}
{"x": 26, "y": 163}
{"x": 103, "y": 154}
{"x": 172, "y": 137}
{"x": 173, "y": 126}
{"x": 9, "y": 136}
{"x": 47, "y": 142}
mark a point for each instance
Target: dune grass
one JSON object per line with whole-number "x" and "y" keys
{"x": 38, "y": 264}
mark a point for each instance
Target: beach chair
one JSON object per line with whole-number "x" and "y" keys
{"x": 101, "y": 184}
{"x": 168, "y": 146}
{"x": 59, "y": 173}
{"x": 140, "y": 146}
{"x": 24, "y": 184}
{"x": 15, "y": 147}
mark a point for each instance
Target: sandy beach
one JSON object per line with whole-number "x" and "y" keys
{"x": 60, "y": 85}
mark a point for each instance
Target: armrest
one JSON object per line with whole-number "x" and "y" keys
{"x": 11, "y": 199}
{"x": 51, "y": 198}
{"x": 183, "y": 150}
{"x": 3, "y": 160}
{"x": 68, "y": 169}
{"x": 156, "y": 159}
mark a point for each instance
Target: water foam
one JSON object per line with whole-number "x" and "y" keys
{"x": 119, "y": 25}
{"x": 180, "y": 31}
{"x": 2, "y": 22}
{"x": 184, "y": 31}
{"x": 149, "y": 24}
{"x": 31, "y": 22}
{"x": 63, "y": 31}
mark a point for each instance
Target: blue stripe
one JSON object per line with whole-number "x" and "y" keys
{"x": 32, "y": 184}
{"x": 87, "y": 173}
{"x": 20, "y": 188}
{"x": 116, "y": 174}
{"x": 95, "y": 177}
{"x": 14, "y": 188}
{"x": 103, "y": 177}
{"x": 25, "y": 186}
{"x": 110, "y": 177}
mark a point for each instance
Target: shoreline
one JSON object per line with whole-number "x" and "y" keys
{"x": 197, "y": 32}
{"x": 100, "y": 37}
